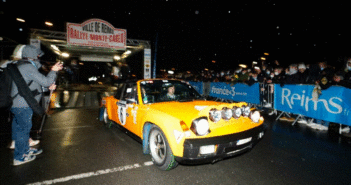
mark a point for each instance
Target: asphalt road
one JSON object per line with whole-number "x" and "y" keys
{"x": 78, "y": 149}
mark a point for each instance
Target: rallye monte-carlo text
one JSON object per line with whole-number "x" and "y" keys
{"x": 177, "y": 125}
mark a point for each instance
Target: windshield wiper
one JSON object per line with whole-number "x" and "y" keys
{"x": 186, "y": 99}
{"x": 192, "y": 99}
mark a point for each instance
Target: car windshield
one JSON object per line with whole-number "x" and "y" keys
{"x": 155, "y": 91}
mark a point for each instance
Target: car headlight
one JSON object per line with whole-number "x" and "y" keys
{"x": 255, "y": 116}
{"x": 200, "y": 126}
{"x": 246, "y": 111}
{"x": 236, "y": 112}
{"x": 227, "y": 113}
{"x": 215, "y": 115}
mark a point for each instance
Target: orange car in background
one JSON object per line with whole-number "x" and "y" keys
{"x": 177, "y": 125}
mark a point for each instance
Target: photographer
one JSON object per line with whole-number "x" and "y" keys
{"x": 21, "y": 109}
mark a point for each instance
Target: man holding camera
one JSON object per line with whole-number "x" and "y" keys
{"x": 21, "y": 109}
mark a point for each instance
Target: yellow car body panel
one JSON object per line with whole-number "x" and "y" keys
{"x": 169, "y": 115}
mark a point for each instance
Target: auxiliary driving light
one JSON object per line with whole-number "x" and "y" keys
{"x": 236, "y": 112}
{"x": 227, "y": 113}
{"x": 215, "y": 115}
{"x": 246, "y": 111}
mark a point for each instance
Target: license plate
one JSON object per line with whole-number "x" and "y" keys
{"x": 244, "y": 141}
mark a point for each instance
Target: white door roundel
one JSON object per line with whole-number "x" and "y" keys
{"x": 122, "y": 112}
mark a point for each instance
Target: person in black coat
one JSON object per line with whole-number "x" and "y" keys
{"x": 293, "y": 77}
{"x": 279, "y": 76}
{"x": 338, "y": 79}
{"x": 325, "y": 76}
{"x": 303, "y": 73}
{"x": 347, "y": 75}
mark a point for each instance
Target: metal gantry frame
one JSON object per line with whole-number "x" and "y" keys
{"x": 62, "y": 36}
{"x": 59, "y": 39}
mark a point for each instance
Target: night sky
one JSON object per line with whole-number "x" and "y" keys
{"x": 191, "y": 34}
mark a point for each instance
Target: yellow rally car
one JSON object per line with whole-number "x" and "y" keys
{"x": 177, "y": 125}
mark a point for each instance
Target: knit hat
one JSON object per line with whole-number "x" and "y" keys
{"x": 302, "y": 66}
{"x": 31, "y": 52}
{"x": 17, "y": 53}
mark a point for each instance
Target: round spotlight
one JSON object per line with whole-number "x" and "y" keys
{"x": 246, "y": 111}
{"x": 215, "y": 115}
{"x": 227, "y": 113}
{"x": 236, "y": 112}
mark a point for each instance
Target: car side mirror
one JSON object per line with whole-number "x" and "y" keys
{"x": 131, "y": 100}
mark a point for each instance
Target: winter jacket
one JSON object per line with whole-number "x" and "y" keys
{"x": 36, "y": 80}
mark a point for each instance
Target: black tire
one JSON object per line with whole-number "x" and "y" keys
{"x": 160, "y": 152}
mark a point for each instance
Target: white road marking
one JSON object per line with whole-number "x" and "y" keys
{"x": 92, "y": 174}
{"x": 148, "y": 163}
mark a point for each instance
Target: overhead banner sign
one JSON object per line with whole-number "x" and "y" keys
{"x": 96, "y": 33}
{"x": 334, "y": 104}
{"x": 237, "y": 92}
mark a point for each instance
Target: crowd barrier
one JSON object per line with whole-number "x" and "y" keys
{"x": 333, "y": 104}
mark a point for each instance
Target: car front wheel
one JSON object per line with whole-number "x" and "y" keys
{"x": 160, "y": 151}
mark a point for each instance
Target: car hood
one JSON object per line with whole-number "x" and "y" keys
{"x": 188, "y": 111}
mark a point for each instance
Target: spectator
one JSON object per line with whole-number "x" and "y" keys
{"x": 270, "y": 77}
{"x": 22, "y": 121}
{"x": 274, "y": 75}
{"x": 325, "y": 75}
{"x": 279, "y": 77}
{"x": 252, "y": 79}
{"x": 244, "y": 76}
{"x": 348, "y": 71}
{"x": 260, "y": 75}
{"x": 293, "y": 76}
{"x": 264, "y": 69}
{"x": 303, "y": 78}
{"x": 276, "y": 64}
{"x": 303, "y": 74}
{"x": 338, "y": 79}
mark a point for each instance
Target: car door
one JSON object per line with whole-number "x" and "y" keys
{"x": 128, "y": 107}
{"x": 113, "y": 105}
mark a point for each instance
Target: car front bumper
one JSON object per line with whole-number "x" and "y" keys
{"x": 226, "y": 146}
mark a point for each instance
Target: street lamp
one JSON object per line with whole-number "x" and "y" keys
{"x": 20, "y": 20}
{"x": 116, "y": 57}
{"x": 64, "y": 54}
{"x": 243, "y": 65}
{"x": 47, "y": 23}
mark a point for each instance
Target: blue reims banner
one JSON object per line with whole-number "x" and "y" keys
{"x": 334, "y": 104}
{"x": 236, "y": 92}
